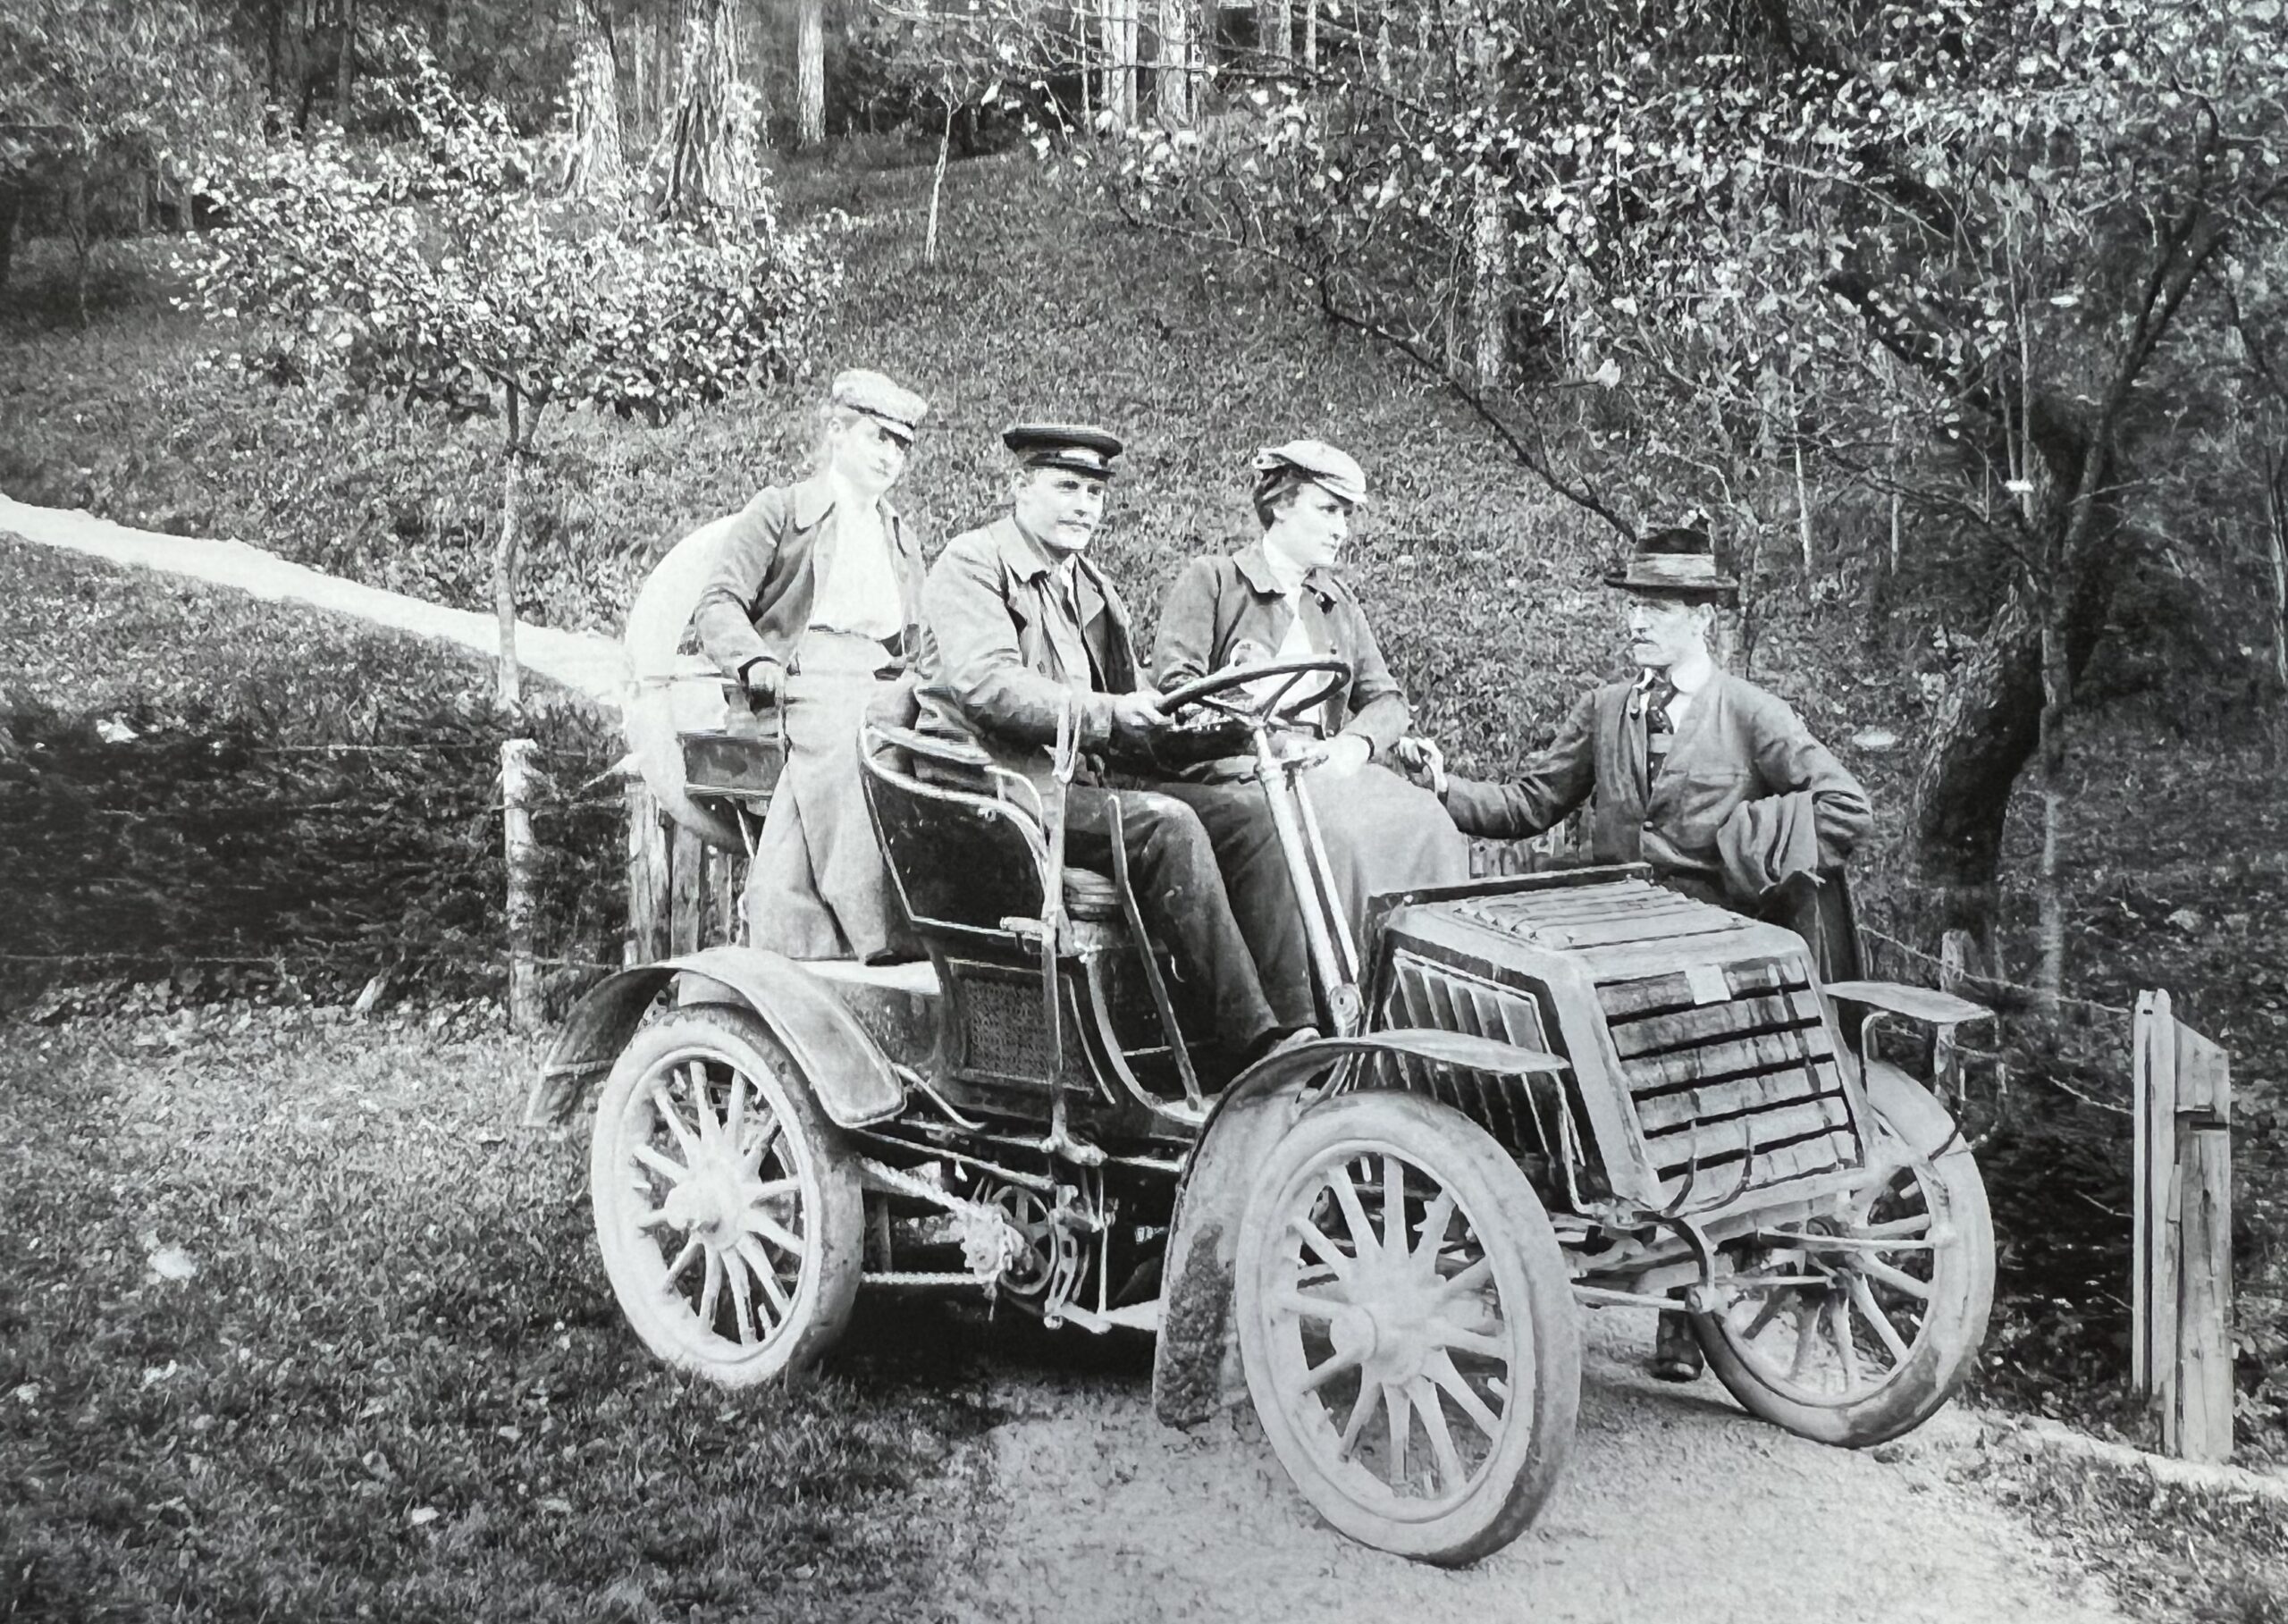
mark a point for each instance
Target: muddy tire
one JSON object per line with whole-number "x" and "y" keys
{"x": 1406, "y": 1328}
{"x": 1909, "y": 1270}
{"x": 727, "y": 1208}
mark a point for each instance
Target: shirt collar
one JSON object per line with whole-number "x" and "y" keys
{"x": 1254, "y": 565}
{"x": 1021, "y": 555}
{"x": 812, "y": 498}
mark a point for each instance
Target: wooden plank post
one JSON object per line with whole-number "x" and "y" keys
{"x": 518, "y": 771}
{"x": 2152, "y": 1159}
{"x": 686, "y": 894}
{"x": 1957, "y": 961}
{"x": 647, "y": 875}
{"x": 2199, "y": 1425}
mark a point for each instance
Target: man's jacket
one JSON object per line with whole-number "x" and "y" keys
{"x": 1735, "y": 744}
{"x": 758, "y": 597}
{"x": 1002, "y": 651}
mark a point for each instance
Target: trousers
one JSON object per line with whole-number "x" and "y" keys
{"x": 1178, "y": 869}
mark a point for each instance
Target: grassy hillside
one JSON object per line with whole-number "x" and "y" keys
{"x": 1484, "y": 591}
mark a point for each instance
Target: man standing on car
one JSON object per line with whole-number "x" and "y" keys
{"x": 1709, "y": 779}
{"x": 1017, "y": 625}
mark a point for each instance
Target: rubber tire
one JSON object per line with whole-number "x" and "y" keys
{"x": 1952, "y": 1329}
{"x": 833, "y": 1204}
{"x": 1529, "y": 1268}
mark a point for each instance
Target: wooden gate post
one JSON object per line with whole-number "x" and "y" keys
{"x": 647, "y": 875}
{"x": 2180, "y": 1351}
{"x": 519, "y": 757}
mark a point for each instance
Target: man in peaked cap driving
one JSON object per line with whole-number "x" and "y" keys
{"x": 1714, "y": 782}
{"x": 1017, "y": 625}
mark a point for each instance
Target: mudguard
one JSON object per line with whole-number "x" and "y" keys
{"x": 845, "y": 1069}
{"x": 1196, "y": 1367}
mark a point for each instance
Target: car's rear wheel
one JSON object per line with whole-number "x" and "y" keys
{"x": 1855, "y": 1328}
{"x": 1406, "y": 1328}
{"x": 728, "y": 1211}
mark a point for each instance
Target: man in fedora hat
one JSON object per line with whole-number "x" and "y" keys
{"x": 1712, "y": 781}
{"x": 1018, "y": 627}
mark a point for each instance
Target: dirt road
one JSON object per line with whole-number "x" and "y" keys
{"x": 1676, "y": 1509}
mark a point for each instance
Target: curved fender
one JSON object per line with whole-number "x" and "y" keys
{"x": 846, "y": 1070}
{"x": 1196, "y": 1367}
{"x": 1910, "y": 1109}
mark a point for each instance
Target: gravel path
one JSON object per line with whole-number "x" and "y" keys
{"x": 1675, "y": 1508}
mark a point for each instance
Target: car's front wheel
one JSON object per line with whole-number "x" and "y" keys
{"x": 1406, "y": 1328}
{"x": 1856, "y": 1326}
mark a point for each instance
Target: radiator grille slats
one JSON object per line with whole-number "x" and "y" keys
{"x": 1424, "y": 993}
{"x": 1723, "y": 1045}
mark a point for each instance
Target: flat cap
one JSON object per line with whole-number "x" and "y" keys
{"x": 892, "y": 405}
{"x": 1322, "y": 464}
{"x": 1075, "y": 446}
{"x": 1676, "y": 563}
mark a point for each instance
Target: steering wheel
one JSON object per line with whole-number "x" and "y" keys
{"x": 1279, "y": 704}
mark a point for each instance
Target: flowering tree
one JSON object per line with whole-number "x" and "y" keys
{"x": 1931, "y": 258}
{"x": 438, "y": 269}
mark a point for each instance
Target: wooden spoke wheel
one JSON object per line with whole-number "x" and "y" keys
{"x": 1406, "y": 1328}
{"x": 1860, "y": 1329}
{"x": 729, "y": 1213}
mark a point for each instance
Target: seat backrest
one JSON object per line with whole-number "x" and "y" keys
{"x": 963, "y": 860}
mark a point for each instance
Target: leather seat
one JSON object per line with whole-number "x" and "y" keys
{"x": 1088, "y": 894}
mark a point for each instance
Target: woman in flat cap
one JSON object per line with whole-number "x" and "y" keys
{"x": 1279, "y": 599}
{"x": 814, "y": 606}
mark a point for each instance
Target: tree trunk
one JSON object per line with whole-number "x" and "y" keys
{"x": 345, "y": 66}
{"x": 1274, "y": 29}
{"x": 595, "y": 164}
{"x": 2276, "y": 514}
{"x": 938, "y": 184}
{"x": 1120, "y": 42}
{"x": 1490, "y": 257}
{"x": 510, "y": 685}
{"x": 12, "y": 203}
{"x": 711, "y": 165}
{"x": 2049, "y": 891}
{"x": 1310, "y": 33}
{"x": 810, "y": 75}
{"x": 1177, "y": 63}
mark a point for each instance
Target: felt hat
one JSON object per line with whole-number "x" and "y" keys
{"x": 1076, "y": 447}
{"x": 892, "y": 405}
{"x": 1317, "y": 461}
{"x": 1676, "y": 563}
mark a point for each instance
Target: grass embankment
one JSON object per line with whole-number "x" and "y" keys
{"x": 251, "y": 795}
{"x": 295, "y": 1325}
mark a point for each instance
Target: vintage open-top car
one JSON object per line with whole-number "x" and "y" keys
{"x": 1563, "y": 1090}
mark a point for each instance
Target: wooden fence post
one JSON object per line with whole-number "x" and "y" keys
{"x": 2180, "y": 1351}
{"x": 687, "y": 893}
{"x": 2152, "y": 1155}
{"x": 647, "y": 875}
{"x": 2199, "y": 1426}
{"x": 1957, "y": 962}
{"x": 517, "y": 772}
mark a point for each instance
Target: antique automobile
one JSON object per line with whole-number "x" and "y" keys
{"x": 1539, "y": 1093}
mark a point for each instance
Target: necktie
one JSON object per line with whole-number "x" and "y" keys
{"x": 1659, "y": 730}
